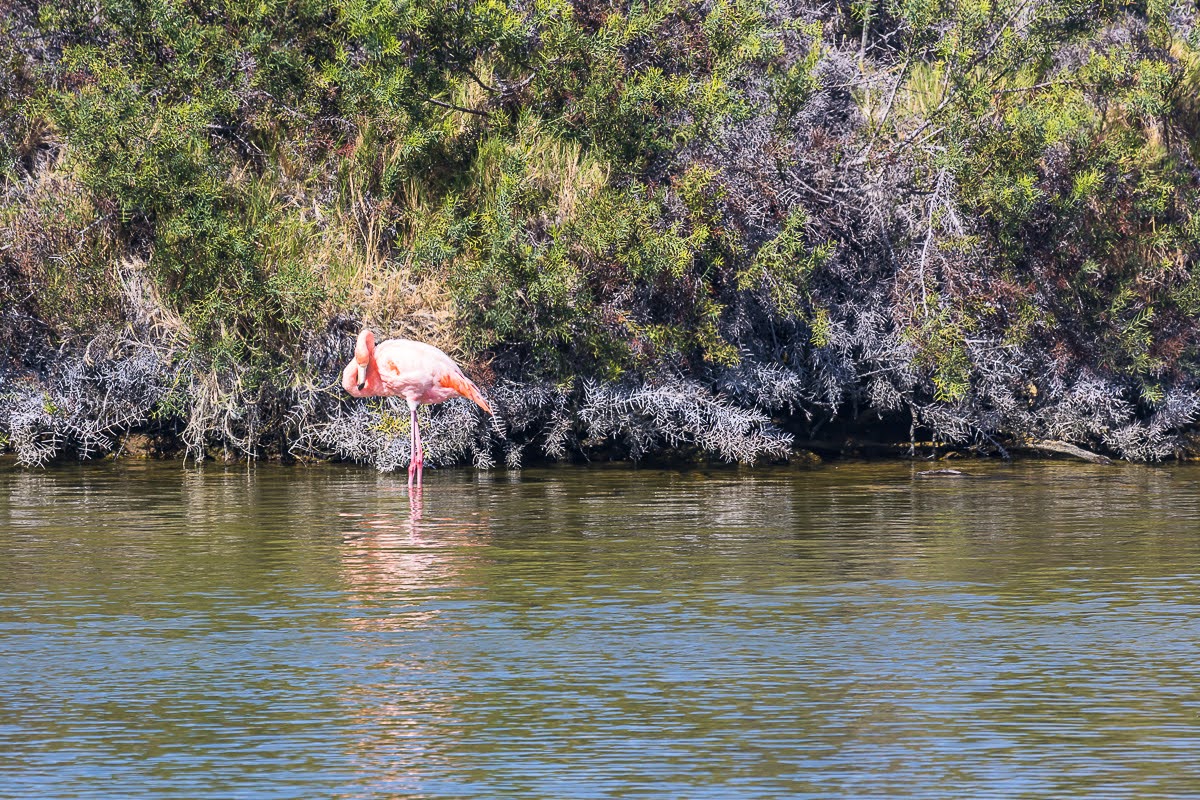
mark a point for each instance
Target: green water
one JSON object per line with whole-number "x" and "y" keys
{"x": 860, "y": 631}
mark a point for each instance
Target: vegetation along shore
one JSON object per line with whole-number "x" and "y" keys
{"x": 725, "y": 229}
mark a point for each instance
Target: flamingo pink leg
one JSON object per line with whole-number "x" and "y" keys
{"x": 416, "y": 461}
{"x": 420, "y": 452}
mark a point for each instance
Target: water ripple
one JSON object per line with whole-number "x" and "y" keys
{"x": 852, "y": 632}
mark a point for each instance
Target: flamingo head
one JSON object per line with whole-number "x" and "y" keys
{"x": 363, "y": 351}
{"x": 354, "y": 376}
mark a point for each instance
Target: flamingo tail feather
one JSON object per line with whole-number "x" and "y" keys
{"x": 467, "y": 389}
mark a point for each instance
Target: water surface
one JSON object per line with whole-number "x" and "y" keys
{"x": 851, "y": 631}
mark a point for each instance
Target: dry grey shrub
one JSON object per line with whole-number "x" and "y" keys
{"x": 376, "y": 432}
{"x": 554, "y": 418}
{"x": 1018, "y": 394}
{"x": 1082, "y": 409}
{"x": 642, "y": 418}
{"x": 683, "y": 413}
{"x": 29, "y": 425}
{"x": 1157, "y": 437}
{"x": 526, "y": 410}
{"x": 771, "y": 387}
{"x": 87, "y": 401}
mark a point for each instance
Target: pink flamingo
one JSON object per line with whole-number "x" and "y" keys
{"x": 418, "y": 372}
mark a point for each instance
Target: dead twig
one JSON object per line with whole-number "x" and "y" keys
{"x": 1065, "y": 448}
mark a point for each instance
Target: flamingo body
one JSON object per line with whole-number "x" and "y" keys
{"x": 420, "y": 373}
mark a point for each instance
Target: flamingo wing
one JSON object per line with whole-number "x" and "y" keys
{"x": 423, "y": 374}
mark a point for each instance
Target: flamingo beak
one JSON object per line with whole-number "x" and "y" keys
{"x": 362, "y": 377}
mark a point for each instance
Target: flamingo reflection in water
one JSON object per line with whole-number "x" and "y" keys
{"x": 396, "y": 568}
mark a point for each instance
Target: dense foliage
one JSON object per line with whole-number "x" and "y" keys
{"x": 636, "y": 222}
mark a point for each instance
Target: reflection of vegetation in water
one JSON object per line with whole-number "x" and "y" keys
{"x": 976, "y": 219}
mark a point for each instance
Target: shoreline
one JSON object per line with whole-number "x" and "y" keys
{"x": 139, "y": 446}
